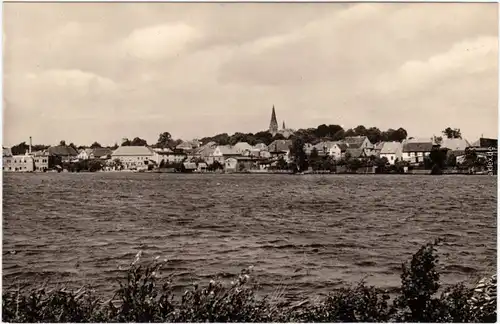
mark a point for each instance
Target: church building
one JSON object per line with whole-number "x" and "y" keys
{"x": 273, "y": 126}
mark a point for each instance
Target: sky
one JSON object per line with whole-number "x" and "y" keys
{"x": 85, "y": 72}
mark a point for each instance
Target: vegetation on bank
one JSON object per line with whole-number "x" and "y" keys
{"x": 145, "y": 296}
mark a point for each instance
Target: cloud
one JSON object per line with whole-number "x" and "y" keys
{"x": 200, "y": 69}
{"x": 159, "y": 42}
{"x": 462, "y": 60}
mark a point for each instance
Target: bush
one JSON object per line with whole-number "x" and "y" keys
{"x": 145, "y": 297}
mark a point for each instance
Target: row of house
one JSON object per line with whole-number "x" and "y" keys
{"x": 239, "y": 156}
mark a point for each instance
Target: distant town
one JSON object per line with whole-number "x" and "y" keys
{"x": 325, "y": 149}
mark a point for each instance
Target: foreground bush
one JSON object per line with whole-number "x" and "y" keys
{"x": 143, "y": 297}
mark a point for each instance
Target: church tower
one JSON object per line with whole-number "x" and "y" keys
{"x": 273, "y": 126}
{"x": 284, "y": 125}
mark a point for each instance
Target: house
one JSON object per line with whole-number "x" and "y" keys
{"x": 18, "y": 163}
{"x": 260, "y": 147}
{"x": 392, "y": 151}
{"x": 280, "y": 148}
{"x": 357, "y": 153}
{"x": 101, "y": 153}
{"x": 189, "y": 167}
{"x": 358, "y": 142}
{"x": 415, "y": 152}
{"x": 377, "y": 148}
{"x": 222, "y": 152}
{"x": 44, "y": 161}
{"x": 455, "y": 144}
{"x": 134, "y": 157}
{"x": 230, "y": 164}
{"x": 202, "y": 167}
{"x": 6, "y": 152}
{"x": 167, "y": 155}
{"x": 485, "y": 143}
{"x": 64, "y": 153}
{"x": 308, "y": 148}
{"x": 243, "y": 148}
{"x": 240, "y": 163}
{"x": 84, "y": 154}
{"x": 188, "y": 146}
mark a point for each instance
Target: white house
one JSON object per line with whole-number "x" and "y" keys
{"x": 230, "y": 164}
{"x": 243, "y": 148}
{"x": 168, "y": 156}
{"x": 84, "y": 154}
{"x": 392, "y": 151}
{"x": 134, "y": 157}
{"x": 222, "y": 152}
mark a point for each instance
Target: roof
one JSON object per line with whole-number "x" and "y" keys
{"x": 228, "y": 150}
{"x": 343, "y": 147}
{"x": 260, "y": 146}
{"x": 87, "y": 150}
{"x": 185, "y": 145}
{"x": 380, "y": 145}
{"x": 133, "y": 151}
{"x": 279, "y": 146}
{"x": 101, "y": 151}
{"x": 391, "y": 147}
{"x": 189, "y": 165}
{"x": 455, "y": 144}
{"x": 7, "y": 151}
{"x": 355, "y": 141}
{"x": 202, "y": 165}
{"x": 325, "y": 145}
{"x": 62, "y": 151}
{"x": 242, "y": 146}
{"x": 485, "y": 142}
{"x": 355, "y": 152}
{"x": 418, "y": 147}
{"x": 164, "y": 150}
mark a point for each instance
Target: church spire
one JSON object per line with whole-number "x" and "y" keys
{"x": 273, "y": 126}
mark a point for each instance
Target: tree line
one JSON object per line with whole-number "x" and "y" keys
{"x": 310, "y": 135}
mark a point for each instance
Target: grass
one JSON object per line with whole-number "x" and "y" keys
{"x": 144, "y": 296}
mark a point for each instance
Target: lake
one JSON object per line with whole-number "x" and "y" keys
{"x": 306, "y": 234}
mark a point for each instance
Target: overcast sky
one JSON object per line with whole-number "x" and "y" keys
{"x": 103, "y": 71}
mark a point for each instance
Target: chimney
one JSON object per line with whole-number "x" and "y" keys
{"x": 30, "y": 146}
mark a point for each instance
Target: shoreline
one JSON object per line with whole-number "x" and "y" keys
{"x": 420, "y": 172}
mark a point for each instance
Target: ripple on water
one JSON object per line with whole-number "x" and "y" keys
{"x": 308, "y": 234}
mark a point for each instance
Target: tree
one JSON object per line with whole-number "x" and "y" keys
{"x": 374, "y": 134}
{"x": 73, "y": 146}
{"x": 452, "y": 133}
{"x": 138, "y": 142}
{"x": 281, "y": 164}
{"x": 95, "y": 165}
{"x": 298, "y": 154}
{"x": 19, "y": 149}
{"x": 314, "y": 160}
{"x": 117, "y": 163}
{"x": 95, "y": 145}
{"x": 165, "y": 140}
{"x": 62, "y": 143}
{"x": 451, "y": 160}
{"x": 340, "y": 134}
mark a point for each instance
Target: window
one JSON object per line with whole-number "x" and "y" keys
{"x": 392, "y": 157}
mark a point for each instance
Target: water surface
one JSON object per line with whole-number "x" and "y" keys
{"x": 307, "y": 234}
